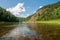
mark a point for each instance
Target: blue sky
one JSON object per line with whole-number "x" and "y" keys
{"x": 28, "y": 6}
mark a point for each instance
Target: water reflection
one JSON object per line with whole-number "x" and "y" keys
{"x": 47, "y": 31}
{"x": 34, "y": 31}
{"x": 21, "y": 32}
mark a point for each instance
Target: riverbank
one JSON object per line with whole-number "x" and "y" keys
{"x": 8, "y": 23}
{"x": 45, "y": 22}
{"x": 4, "y": 30}
{"x": 5, "y": 27}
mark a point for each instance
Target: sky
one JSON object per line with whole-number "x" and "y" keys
{"x": 24, "y": 8}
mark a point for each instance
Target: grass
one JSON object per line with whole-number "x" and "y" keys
{"x": 57, "y": 21}
{"x": 7, "y": 23}
{"x": 50, "y": 21}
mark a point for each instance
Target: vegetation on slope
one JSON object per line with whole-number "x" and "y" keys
{"x": 6, "y": 16}
{"x": 46, "y": 13}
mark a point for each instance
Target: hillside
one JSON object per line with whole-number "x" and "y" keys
{"x": 6, "y": 16}
{"x": 46, "y": 13}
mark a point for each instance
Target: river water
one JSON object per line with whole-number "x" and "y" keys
{"x": 33, "y": 31}
{"x": 21, "y": 32}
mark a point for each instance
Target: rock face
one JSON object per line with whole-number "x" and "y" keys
{"x": 48, "y": 12}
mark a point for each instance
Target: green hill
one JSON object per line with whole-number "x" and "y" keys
{"x": 46, "y": 13}
{"x": 6, "y": 16}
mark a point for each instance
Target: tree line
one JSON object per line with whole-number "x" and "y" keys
{"x": 6, "y": 16}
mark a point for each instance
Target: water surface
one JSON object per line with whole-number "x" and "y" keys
{"x": 34, "y": 31}
{"x": 21, "y": 32}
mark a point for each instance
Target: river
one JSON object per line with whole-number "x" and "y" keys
{"x": 21, "y": 32}
{"x": 33, "y": 31}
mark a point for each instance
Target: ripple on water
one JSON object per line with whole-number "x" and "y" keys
{"x": 21, "y": 32}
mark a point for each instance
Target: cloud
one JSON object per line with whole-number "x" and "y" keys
{"x": 40, "y": 6}
{"x": 16, "y": 10}
{"x": 24, "y": 15}
{"x": 34, "y": 12}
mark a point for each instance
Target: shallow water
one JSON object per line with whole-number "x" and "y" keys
{"x": 21, "y": 32}
{"x": 33, "y": 31}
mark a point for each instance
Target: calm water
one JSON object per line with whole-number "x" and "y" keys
{"x": 33, "y": 31}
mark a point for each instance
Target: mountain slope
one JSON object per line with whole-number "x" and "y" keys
{"x": 46, "y": 13}
{"x": 6, "y": 16}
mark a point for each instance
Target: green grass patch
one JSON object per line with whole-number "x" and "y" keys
{"x": 50, "y": 21}
{"x": 7, "y": 23}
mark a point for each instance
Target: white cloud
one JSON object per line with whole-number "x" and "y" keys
{"x": 34, "y": 12}
{"x": 16, "y": 10}
{"x": 24, "y": 15}
{"x": 40, "y": 6}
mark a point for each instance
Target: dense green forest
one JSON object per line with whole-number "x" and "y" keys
{"x": 6, "y": 16}
{"x": 48, "y": 12}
